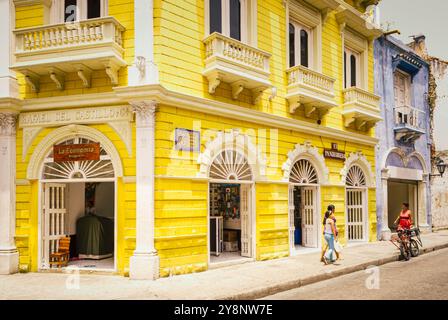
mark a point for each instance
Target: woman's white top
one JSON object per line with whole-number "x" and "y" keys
{"x": 328, "y": 226}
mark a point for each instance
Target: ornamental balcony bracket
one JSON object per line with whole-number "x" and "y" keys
{"x": 242, "y": 66}
{"x": 80, "y": 47}
{"x": 352, "y": 18}
{"x": 361, "y": 109}
{"x": 310, "y": 89}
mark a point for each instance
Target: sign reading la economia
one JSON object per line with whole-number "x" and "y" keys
{"x": 76, "y": 152}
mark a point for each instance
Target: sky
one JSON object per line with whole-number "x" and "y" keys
{"x": 430, "y": 18}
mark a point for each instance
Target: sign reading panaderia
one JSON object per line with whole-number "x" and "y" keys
{"x": 334, "y": 153}
{"x": 76, "y": 152}
{"x": 73, "y": 116}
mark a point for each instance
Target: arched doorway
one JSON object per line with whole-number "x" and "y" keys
{"x": 77, "y": 178}
{"x": 231, "y": 208}
{"x": 356, "y": 198}
{"x": 303, "y": 205}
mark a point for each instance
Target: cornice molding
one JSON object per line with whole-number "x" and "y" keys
{"x": 164, "y": 96}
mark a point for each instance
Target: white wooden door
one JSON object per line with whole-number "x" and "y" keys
{"x": 309, "y": 223}
{"x": 53, "y": 218}
{"x": 355, "y": 215}
{"x": 401, "y": 89}
{"x": 246, "y": 221}
{"x": 291, "y": 209}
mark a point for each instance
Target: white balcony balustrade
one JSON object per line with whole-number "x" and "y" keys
{"x": 409, "y": 123}
{"x": 81, "y": 46}
{"x": 231, "y": 61}
{"x": 311, "y": 89}
{"x": 361, "y": 108}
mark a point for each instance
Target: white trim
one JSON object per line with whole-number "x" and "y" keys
{"x": 239, "y": 142}
{"x": 198, "y": 104}
{"x": 310, "y": 153}
{"x": 358, "y": 158}
{"x": 358, "y": 45}
{"x": 40, "y": 152}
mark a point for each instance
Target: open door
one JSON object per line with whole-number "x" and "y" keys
{"x": 291, "y": 209}
{"x": 309, "y": 226}
{"x": 53, "y": 219}
{"x": 246, "y": 221}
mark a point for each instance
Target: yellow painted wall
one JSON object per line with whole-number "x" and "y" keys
{"x": 180, "y": 53}
{"x": 123, "y": 11}
{"x": 181, "y": 204}
{"x": 27, "y": 209}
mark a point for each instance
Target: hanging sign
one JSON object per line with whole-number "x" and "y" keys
{"x": 76, "y": 152}
{"x": 334, "y": 153}
{"x": 187, "y": 140}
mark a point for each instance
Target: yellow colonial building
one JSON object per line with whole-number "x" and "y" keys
{"x": 166, "y": 136}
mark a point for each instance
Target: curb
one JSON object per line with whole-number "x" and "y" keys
{"x": 297, "y": 283}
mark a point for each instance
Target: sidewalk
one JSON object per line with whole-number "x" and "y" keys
{"x": 246, "y": 281}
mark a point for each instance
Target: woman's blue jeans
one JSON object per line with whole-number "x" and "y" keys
{"x": 330, "y": 255}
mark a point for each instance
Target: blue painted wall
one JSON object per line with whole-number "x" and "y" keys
{"x": 386, "y": 48}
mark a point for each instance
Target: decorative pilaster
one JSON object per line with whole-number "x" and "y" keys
{"x": 144, "y": 263}
{"x": 423, "y": 195}
{"x": 144, "y": 70}
{"x": 385, "y": 231}
{"x": 9, "y": 256}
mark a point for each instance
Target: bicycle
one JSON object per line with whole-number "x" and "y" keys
{"x": 408, "y": 246}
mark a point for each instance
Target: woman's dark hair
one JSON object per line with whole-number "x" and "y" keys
{"x": 406, "y": 204}
{"x": 327, "y": 215}
{"x": 331, "y": 207}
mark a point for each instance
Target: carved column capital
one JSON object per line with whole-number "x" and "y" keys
{"x": 8, "y": 123}
{"x": 145, "y": 113}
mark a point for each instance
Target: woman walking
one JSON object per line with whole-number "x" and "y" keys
{"x": 329, "y": 235}
{"x": 330, "y": 208}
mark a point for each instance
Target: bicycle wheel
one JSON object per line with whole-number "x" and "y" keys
{"x": 404, "y": 252}
{"x": 415, "y": 250}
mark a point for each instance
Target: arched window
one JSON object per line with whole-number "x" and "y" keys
{"x": 292, "y": 53}
{"x": 215, "y": 16}
{"x": 230, "y": 165}
{"x": 303, "y": 172}
{"x": 300, "y": 45}
{"x": 304, "y": 48}
{"x": 235, "y": 19}
{"x": 352, "y": 63}
{"x": 89, "y": 169}
{"x": 355, "y": 177}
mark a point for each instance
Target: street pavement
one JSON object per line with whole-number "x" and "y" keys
{"x": 251, "y": 280}
{"x": 421, "y": 278}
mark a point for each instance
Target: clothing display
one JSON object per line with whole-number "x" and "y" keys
{"x": 95, "y": 237}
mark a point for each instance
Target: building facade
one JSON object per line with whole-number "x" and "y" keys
{"x": 220, "y": 129}
{"x": 403, "y": 155}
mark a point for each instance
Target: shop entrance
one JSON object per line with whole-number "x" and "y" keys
{"x": 230, "y": 222}
{"x": 302, "y": 217}
{"x": 400, "y": 191}
{"x": 78, "y": 203}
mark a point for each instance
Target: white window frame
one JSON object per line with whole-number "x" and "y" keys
{"x": 356, "y": 43}
{"x": 58, "y": 14}
{"x": 304, "y": 15}
{"x": 348, "y": 68}
{"x": 248, "y": 20}
{"x": 297, "y": 44}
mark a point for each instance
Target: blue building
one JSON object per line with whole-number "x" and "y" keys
{"x": 403, "y": 154}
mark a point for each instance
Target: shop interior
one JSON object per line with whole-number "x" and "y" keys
{"x": 225, "y": 222}
{"x": 297, "y": 218}
{"x": 91, "y": 227}
{"x": 399, "y": 192}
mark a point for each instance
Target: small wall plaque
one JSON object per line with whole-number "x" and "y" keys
{"x": 187, "y": 140}
{"x": 334, "y": 153}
